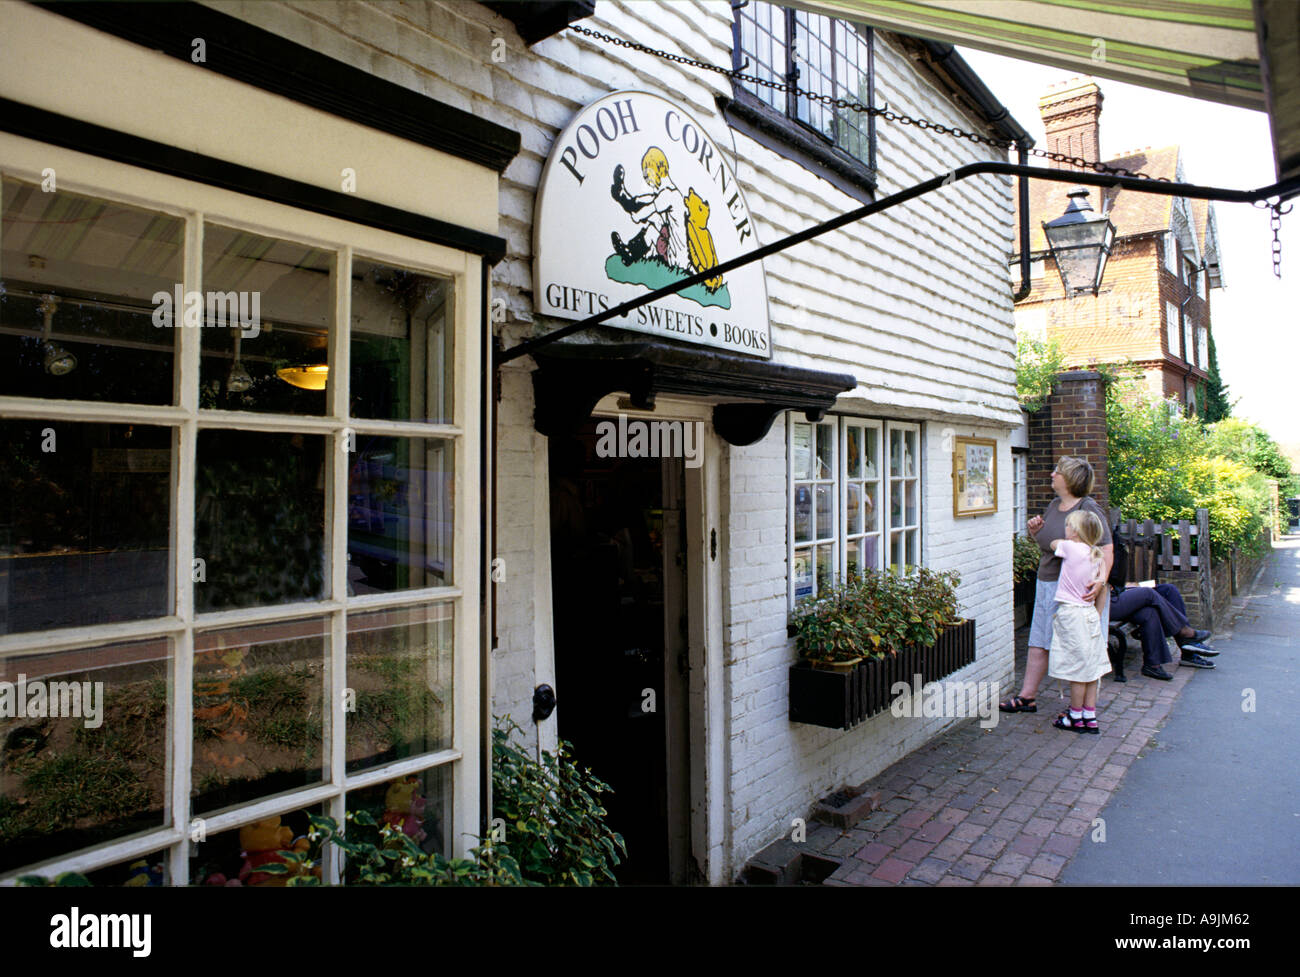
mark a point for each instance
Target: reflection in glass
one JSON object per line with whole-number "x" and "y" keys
{"x": 871, "y": 447}
{"x": 259, "y": 519}
{"x": 895, "y": 501}
{"x": 85, "y": 511}
{"x": 909, "y": 453}
{"x": 76, "y": 297}
{"x": 419, "y": 805}
{"x": 853, "y": 438}
{"x": 400, "y": 668}
{"x": 259, "y": 721}
{"x": 870, "y": 504}
{"x": 268, "y": 309}
{"x": 802, "y": 513}
{"x": 825, "y": 450}
{"x": 825, "y": 568}
{"x": 825, "y": 508}
{"x": 895, "y": 452}
{"x": 87, "y": 760}
{"x": 399, "y": 514}
{"x": 854, "y": 506}
{"x": 803, "y": 573}
{"x": 401, "y": 346}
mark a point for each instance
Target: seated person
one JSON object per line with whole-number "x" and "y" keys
{"x": 1161, "y": 614}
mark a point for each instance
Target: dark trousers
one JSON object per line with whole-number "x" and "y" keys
{"x": 1159, "y": 611}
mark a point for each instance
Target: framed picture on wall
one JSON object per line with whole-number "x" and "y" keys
{"x": 974, "y": 476}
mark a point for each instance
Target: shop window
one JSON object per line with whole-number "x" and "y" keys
{"x": 855, "y": 489}
{"x": 270, "y": 538}
{"x": 820, "y": 55}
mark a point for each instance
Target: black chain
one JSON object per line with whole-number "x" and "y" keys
{"x": 1275, "y": 225}
{"x": 889, "y": 115}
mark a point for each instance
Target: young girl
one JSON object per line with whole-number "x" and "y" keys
{"x": 1078, "y": 652}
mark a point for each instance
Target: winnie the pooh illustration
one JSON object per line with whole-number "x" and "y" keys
{"x": 699, "y": 240}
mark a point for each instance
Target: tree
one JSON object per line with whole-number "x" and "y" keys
{"x": 1216, "y": 403}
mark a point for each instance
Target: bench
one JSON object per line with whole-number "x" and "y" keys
{"x": 1143, "y": 564}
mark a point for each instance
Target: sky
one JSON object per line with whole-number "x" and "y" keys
{"x": 1255, "y": 317}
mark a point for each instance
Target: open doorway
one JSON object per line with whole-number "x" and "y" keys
{"x": 619, "y": 575}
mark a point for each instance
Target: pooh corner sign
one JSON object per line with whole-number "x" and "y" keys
{"x": 635, "y": 197}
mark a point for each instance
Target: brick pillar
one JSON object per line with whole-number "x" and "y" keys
{"x": 1071, "y": 422}
{"x": 1070, "y": 113}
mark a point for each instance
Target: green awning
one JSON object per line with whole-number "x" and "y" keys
{"x": 1202, "y": 48}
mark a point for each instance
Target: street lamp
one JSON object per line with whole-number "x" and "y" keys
{"x": 1080, "y": 240}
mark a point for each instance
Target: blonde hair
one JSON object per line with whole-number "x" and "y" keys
{"x": 1078, "y": 475}
{"x": 654, "y": 166}
{"x": 1087, "y": 526}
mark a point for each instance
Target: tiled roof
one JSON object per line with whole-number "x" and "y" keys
{"x": 1132, "y": 212}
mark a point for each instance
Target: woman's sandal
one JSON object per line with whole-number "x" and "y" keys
{"x": 1017, "y": 704}
{"x": 1063, "y": 721}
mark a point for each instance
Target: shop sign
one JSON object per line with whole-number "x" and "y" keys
{"x": 636, "y": 196}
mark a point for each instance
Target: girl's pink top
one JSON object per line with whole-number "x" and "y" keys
{"x": 1077, "y": 571}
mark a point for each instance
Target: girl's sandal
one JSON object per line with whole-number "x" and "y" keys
{"x": 1063, "y": 721}
{"x": 1017, "y": 704}
{"x": 1090, "y": 726}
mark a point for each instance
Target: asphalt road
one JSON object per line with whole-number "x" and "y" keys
{"x": 1215, "y": 798}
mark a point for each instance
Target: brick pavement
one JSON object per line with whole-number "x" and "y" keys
{"x": 1009, "y": 805}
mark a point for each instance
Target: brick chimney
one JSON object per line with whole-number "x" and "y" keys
{"x": 1070, "y": 112}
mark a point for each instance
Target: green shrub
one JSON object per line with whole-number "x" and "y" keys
{"x": 1025, "y": 557}
{"x": 1037, "y": 364}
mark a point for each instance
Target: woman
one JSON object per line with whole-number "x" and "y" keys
{"x": 1072, "y": 481}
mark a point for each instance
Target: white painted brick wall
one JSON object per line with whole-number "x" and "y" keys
{"x": 914, "y": 302}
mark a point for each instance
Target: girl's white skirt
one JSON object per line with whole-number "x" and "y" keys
{"x": 1078, "y": 652}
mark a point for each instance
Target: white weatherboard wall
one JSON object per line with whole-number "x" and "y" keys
{"x": 913, "y": 302}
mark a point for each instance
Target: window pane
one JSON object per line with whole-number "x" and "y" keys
{"x": 801, "y": 450}
{"x": 825, "y": 506}
{"x": 399, "y": 514}
{"x": 401, "y": 344}
{"x": 871, "y": 447}
{"x": 895, "y": 452}
{"x": 897, "y": 552}
{"x": 419, "y": 805}
{"x": 825, "y": 568}
{"x": 909, "y": 452}
{"x": 853, "y": 559}
{"x": 802, "y": 513}
{"x": 913, "y": 547}
{"x": 853, "y": 440}
{"x": 909, "y": 494}
{"x": 400, "y": 670}
{"x": 283, "y": 293}
{"x": 803, "y": 574}
{"x": 259, "y": 722}
{"x": 85, "y": 511}
{"x": 85, "y": 748}
{"x": 233, "y": 857}
{"x": 825, "y": 451}
{"x": 259, "y": 519}
{"x": 870, "y": 552}
{"x": 870, "y": 506}
{"x": 896, "y": 502}
{"x": 151, "y": 870}
{"x": 77, "y": 297}
{"x": 854, "y": 506}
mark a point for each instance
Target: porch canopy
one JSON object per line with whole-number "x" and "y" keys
{"x": 1230, "y": 51}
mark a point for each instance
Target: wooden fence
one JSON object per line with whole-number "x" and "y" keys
{"x": 1176, "y": 552}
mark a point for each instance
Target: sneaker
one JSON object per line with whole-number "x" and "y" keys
{"x": 1196, "y": 661}
{"x": 1155, "y": 671}
{"x": 1198, "y": 637}
{"x": 1196, "y": 648}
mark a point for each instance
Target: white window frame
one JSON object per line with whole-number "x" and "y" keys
{"x": 1171, "y": 253}
{"x": 840, "y": 536}
{"x": 1171, "y": 329}
{"x": 1202, "y": 347}
{"x": 198, "y": 204}
{"x": 1019, "y": 496}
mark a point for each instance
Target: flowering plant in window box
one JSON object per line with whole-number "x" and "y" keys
{"x": 895, "y": 626}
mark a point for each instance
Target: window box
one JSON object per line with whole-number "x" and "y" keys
{"x": 842, "y": 699}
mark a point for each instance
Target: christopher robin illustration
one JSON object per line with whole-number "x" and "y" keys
{"x": 674, "y": 227}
